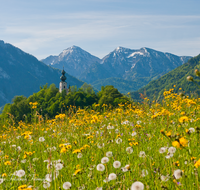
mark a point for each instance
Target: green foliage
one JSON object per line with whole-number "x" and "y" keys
{"x": 49, "y": 102}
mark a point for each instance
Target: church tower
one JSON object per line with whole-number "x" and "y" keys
{"x": 63, "y": 84}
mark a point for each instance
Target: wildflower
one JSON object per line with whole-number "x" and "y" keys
{"x": 67, "y": 185}
{"x": 99, "y": 188}
{"x": 133, "y": 134}
{"x": 162, "y": 150}
{"x": 172, "y": 150}
{"x": 41, "y": 139}
{"x": 116, "y": 164}
{"x": 58, "y": 166}
{"x": 112, "y": 176}
{"x": 142, "y": 154}
{"x": 4, "y": 175}
{"x": 144, "y": 173}
{"x": 169, "y": 155}
{"x": 79, "y": 155}
{"x": 46, "y": 184}
{"x": 100, "y": 145}
{"x": 1, "y": 180}
{"x": 183, "y": 141}
{"x": 100, "y": 167}
{"x": 118, "y": 140}
{"x": 178, "y": 174}
{"x": 176, "y": 144}
{"x": 189, "y": 78}
{"x": 20, "y": 173}
{"x": 129, "y": 150}
{"x": 104, "y": 160}
{"x": 137, "y": 186}
{"x": 126, "y": 168}
{"x": 48, "y": 177}
{"x": 183, "y": 119}
{"x": 23, "y": 161}
{"x": 7, "y": 163}
{"x": 19, "y": 148}
{"x": 197, "y": 164}
{"x": 21, "y": 187}
{"x": 191, "y": 130}
{"x": 109, "y": 154}
{"x": 164, "y": 178}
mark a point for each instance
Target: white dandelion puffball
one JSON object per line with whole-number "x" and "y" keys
{"x": 142, "y": 154}
{"x": 137, "y": 186}
{"x": 172, "y": 150}
{"x": 112, "y": 176}
{"x": 191, "y": 130}
{"x": 23, "y": 161}
{"x": 133, "y": 133}
{"x": 144, "y": 173}
{"x": 1, "y": 180}
{"x": 164, "y": 178}
{"x": 19, "y": 148}
{"x": 109, "y": 154}
{"x": 129, "y": 150}
{"x": 20, "y": 173}
{"x": 99, "y": 188}
{"x": 41, "y": 139}
{"x": 178, "y": 174}
{"x": 116, "y": 164}
{"x": 58, "y": 166}
{"x": 67, "y": 185}
{"x": 162, "y": 150}
{"x": 46, "y": 184}
{"x": 48, "y": 177}
{"x": 100, "y": 167}
{"x": 79, "y": 155}
{"x": 169, "y": 155}
{"x": 118, "y": 141}
{"x": 104, "y": 160}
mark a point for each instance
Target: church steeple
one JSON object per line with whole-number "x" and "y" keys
{"x": 63, "y": 84}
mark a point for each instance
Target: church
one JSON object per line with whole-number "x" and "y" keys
{"x": 63, "y": 84}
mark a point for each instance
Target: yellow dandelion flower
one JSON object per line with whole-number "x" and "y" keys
{"x": 183, "y": 119}
{"x": 176, "y": 144}
{"x": 197, "y": 164}
{"x": 183, "y": 141}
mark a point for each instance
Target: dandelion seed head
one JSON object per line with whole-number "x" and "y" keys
{"x": 112, "y": 176}
{"x": 100, "y": 167}
{"x": 116, "y": 164}
{"x": 104, "y": 160}
{"x": 67, "y": 185}
{"x": 137, "y": 186}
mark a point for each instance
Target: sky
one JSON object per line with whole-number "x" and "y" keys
{"x": 43, "y": 28}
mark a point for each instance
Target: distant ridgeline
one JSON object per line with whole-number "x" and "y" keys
{"x": 49, "y": 102}
{"x": 176, "y": 79}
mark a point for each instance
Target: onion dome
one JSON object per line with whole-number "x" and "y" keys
{"x": 63, "y": 77}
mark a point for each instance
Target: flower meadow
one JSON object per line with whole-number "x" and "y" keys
{"x": 132, "y": 147}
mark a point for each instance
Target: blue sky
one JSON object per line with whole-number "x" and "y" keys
{"x": 44, "y": 28}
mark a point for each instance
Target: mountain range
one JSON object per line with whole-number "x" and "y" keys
{"x": 22, "y": 74}
{"x": 176, "y": 79}
{"x": 124, "y": 68}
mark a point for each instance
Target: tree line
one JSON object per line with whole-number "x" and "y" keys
{"x": 49, "y": 102}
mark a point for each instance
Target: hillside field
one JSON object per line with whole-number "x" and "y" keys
{"x": 135, "y": 146}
